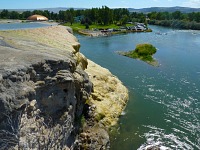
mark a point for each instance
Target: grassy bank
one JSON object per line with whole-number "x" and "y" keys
{"x": 95, "y": 29}
{"x": 78, "y": 26}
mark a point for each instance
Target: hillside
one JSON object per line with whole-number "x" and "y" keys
{"x": 165, "y": 9}
{"x": 55, "y": 10}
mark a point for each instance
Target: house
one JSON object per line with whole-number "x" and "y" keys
{"x": 37, "y": 18}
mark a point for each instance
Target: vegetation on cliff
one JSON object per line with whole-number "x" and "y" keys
{"x": 143, "y": 52}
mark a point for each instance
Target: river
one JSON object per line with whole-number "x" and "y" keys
{"x": 164, "y": 104}
{"x": 26, "y": 25}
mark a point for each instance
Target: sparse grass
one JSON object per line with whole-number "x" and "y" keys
{"x": 75, "y": 26}
{"x": 111, "y": 26}
{"x": 83, "y": 120}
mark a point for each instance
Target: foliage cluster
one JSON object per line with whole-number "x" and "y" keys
{"x": 106, "y": 16}
{"x": 176, "y": 19}
{"x": 78, "y": 26}
{"x": 179, "y": 24}
{"x": 177, "y": 15}
{"x": 143, "y": 52}
{"x": 101, "y": 16}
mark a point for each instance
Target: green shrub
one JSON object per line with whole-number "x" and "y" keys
{"x": 145, "y": 49}
{"x": 143, "y": 52}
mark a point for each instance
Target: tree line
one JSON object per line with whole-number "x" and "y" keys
{"x": 103, "y": 15}
{"x": 106, "y": 16}
{"x": 175, "y": 19}
{"x": 5, "y": 14}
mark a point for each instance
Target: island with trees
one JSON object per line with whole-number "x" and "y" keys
{"x": 143, "y": 52}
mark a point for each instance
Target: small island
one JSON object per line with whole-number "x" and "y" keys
{"x": 143, "y": 52}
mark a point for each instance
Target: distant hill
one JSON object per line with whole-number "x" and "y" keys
{"x": 163, "y": 9}
{"x": 55, "y": 10}
{"x": 143, "y": 10}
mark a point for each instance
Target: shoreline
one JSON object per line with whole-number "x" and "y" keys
{"x": 99, "y": 33}
{"x": 153, "y": 63}
{"x": 5, "y": 21}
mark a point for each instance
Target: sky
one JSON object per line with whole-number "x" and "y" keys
{"x": 33, "y": 4}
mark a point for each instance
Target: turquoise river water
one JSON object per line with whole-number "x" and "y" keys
{"x": 164, "y": 103}
{"x": 17, "y": 26}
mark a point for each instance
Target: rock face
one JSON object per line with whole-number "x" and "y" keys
{"x": 105, "y": 105}
{"x": 109, "y": 96}
{"x": 43, "y": 88}
{"x": 45, "y": 92}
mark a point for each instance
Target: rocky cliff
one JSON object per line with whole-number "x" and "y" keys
{"x": 44, "y": 92}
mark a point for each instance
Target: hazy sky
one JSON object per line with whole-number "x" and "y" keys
{"x": 26, "y": 4}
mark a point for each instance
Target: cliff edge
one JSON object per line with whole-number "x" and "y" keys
{"x": 44, "y": 92}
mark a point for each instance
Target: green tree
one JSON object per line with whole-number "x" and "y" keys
{"x": 61, "y": 15}
{"x": 197, "y": 17}
{"x": 106, "y": 15}
{"x": 26, "y": 14}
{"x": 46, "y": 13}
{"x": 70, "y": 15}
{"x": 5, "y": 14}
{"x": 176, "y": 15}
{"x": 37, "y": 12}
{"x": 191, "y": 16}
{"x": 124, "y": 19}
{"x": 152, "y": 15}
{"x": 14, "y": 15}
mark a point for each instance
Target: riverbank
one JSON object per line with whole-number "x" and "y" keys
{"x": 37, "y": 53}
{"x": 108, "y": 30}
{"x": 177, "y": 24}
{"x": 107, "y": 33}
{"x": 10, "y": 21}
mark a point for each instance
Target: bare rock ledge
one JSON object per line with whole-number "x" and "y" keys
{"x": 45, "y": 90}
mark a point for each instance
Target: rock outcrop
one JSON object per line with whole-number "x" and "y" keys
{"x": 104, "y": 106}
{"x": 109, "y": 96}
{"x": 44, "y": 92}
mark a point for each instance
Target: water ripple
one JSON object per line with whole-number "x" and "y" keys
{"x": 183, "y": 113}
{"x": 169, "y": 141}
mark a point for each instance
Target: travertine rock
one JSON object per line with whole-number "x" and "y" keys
{"x": 110, "y": 95}
{"x": 44, "y": 90}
